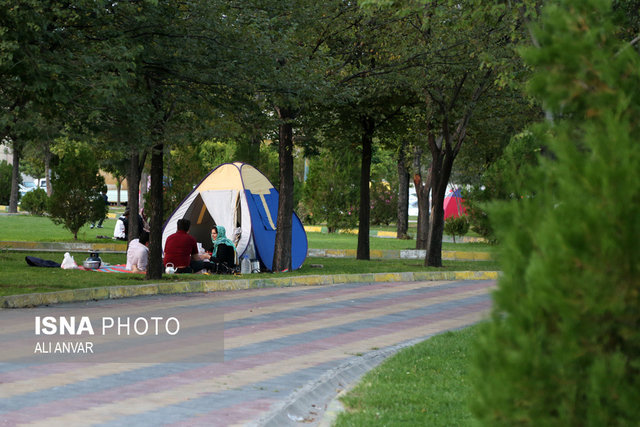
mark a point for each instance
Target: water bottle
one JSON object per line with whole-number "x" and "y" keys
{"x": 245, "y": 265}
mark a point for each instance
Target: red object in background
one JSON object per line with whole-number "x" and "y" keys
{"x": 453, "y": 204}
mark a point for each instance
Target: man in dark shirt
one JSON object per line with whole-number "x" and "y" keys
{"x": 181, "y": 250}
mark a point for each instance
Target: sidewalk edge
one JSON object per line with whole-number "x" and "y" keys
{"x": 115, "y": 292}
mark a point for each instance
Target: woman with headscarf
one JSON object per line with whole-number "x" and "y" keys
{"x": 224, "y": 251}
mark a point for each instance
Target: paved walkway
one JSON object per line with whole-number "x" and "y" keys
{"x": 287, "y": 353}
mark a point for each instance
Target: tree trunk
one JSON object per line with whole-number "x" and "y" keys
{"x": 442, "y": 162}
{"x": 368, "y": 127}
{"x": 402, "y": 224}
{"x": 423, "y": 187}
{"x": 154, "y": 271}
{"x": 47, "y": 169}
{"x": 284, "y": 224}
{"x": 436, "y": 219}
{"x": 118, "y": 189}
{"x": 133, "y": 180}
{"x": 15, "y": 177}
{"x": 143, "y": 184}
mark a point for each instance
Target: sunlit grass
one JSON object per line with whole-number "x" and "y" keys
{"x": 423, "y": 385}
{"x": 16, "y": 277}
{"x": 27, "y": 228}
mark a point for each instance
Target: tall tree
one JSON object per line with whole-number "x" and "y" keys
{"x": 372, "y": 93}
{"x": 459, "y": 51}
{"x": 180, "y": 60}
{"x": 289, "y": 76}
{"x": 43, "y": 65}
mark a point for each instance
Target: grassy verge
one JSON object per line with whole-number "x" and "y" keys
{"x": 26, "y": 228}
{"x": 425, "y": 385}
{"x": 350, "y": 241}
{"x": 18, "y": 278}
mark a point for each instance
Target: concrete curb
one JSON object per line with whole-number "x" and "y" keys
{"x": 113, "y": 247}
{"x": 386, "y": 234}
{"x": 114, "y": 292}
{"x": 307, "y": 404}
{"x": 401, "y": 254}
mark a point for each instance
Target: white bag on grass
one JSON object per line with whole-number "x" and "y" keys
{"x": 68, "y": 262}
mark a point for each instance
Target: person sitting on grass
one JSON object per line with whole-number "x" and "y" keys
{"x": 138, "y": 253}
{"x": 120, "y": 229}
{"x": 181, "y": 250}
{"x": 224, "y": 251}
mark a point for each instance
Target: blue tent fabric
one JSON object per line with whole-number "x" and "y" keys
{"x": 266, "y": 218}
{"x": 264, "y": 231}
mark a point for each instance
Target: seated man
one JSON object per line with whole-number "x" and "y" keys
{"x": 138, "y": 253}
{"x": 181, "y": 250}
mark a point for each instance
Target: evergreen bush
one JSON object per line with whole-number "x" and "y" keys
{"x": 562, "y": 347}
{"x": 77, "y": 185}
{"x": 384, "y": 204}
{"x": 35, "y": 202}
{"x": 456, "y": 226}
{"x": 331, "y": 191}
{"x": 497, "y": 182}
{"x": 5, "y": 182}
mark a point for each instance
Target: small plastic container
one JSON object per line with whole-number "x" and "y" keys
{"x": 245, "y": 265}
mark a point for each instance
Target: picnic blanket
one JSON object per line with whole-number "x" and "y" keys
{"x": 118, "y": 268}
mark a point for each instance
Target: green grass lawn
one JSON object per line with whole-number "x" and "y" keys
{"x": 26, "y": 228}
{"x": 424, "y": 385}
{"x": 16, "y": 277}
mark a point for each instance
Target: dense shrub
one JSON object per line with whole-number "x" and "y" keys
{"x": 5, "y": 182}
{"x": 384, "y": 203}
{"x": 331, "y": 191}
{"x": 563, "y": 344}
{"x": 456, "y": 226}
{"x": 186, "y": 171}
{"x": 519, "y": 157}
{"x": 76, "y": 198}
{"x": 35, "y": 202}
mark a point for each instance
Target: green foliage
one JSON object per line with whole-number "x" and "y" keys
{"x": 186, "y": 171}
{"x": 504, "y": 179}
{"x": 35, "y": 202}
{"x": 331, "y": 191}
{"x": 6, "y": 171}
{"x": 265, "y": 158}
{"x": 456, "y": 226}
{"x": 77, "y": 186}
{"x": 563, "y": 344}
{"x": 384, "y": 203}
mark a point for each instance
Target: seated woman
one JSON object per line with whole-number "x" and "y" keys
{"x": 224, "y": 251}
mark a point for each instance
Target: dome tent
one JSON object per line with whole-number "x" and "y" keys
{"x": 454, "y": 204}
{"x": 242, "y": 200}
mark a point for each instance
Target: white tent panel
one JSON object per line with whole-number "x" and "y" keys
{"x": 245, "y": 225}
{"x": 172, "y": 226}
{"x": 223, "y": 207}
